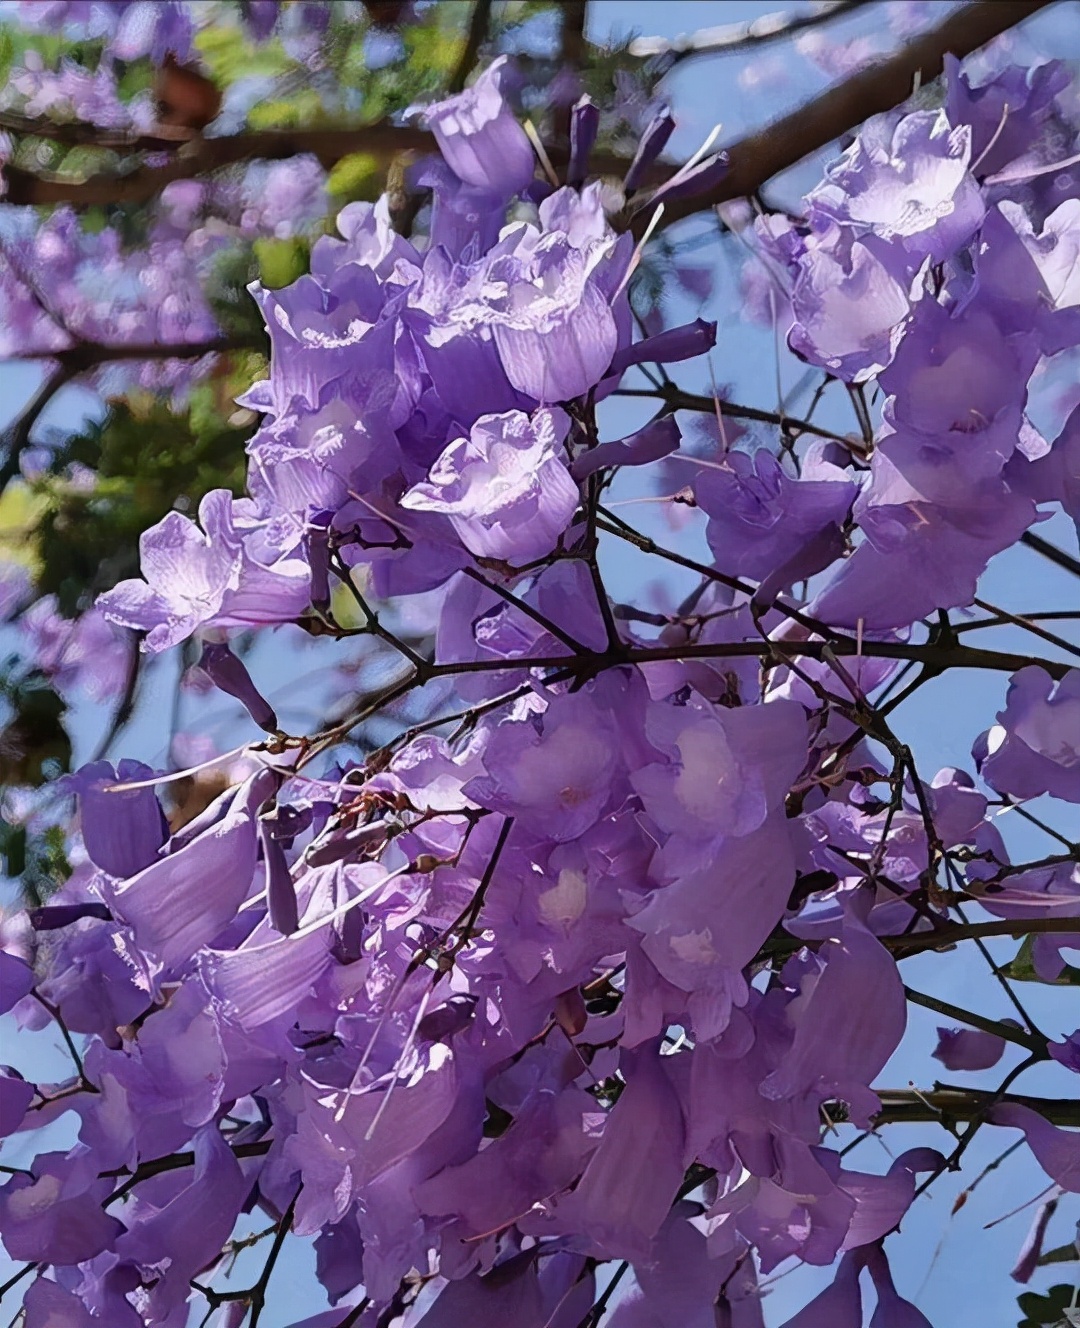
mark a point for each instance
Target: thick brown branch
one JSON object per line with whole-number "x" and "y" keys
{"x": 79, "y": 132}
{"x": 880, "y": 87}
{"x": 382, "y": 140}
{"x": 738, "y": 36}
{"x": 907, "y": 1106}
{"x": 904, "y": 946}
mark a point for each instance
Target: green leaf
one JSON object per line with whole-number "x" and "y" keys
{"x": 1048, "y": 1309}
{"x": 357, "y": 176}
{"x": 1022, "y": 968}
{"x": 148, "y": 459}
{"x": 1063, "y": 1254}
{"x": 281, "y": 261}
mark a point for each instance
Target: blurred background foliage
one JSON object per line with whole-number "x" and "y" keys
{"x": 158, "y": 434}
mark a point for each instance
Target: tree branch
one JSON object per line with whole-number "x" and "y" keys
{"x": 678, "y": 399}
{"x": 478, "y": 31}
{"x": 1017, "y": 1035}
{"x": 919, "y": 941}
{"x": 905, "y": 1106}
{"x": 755, "y": 160}
{"x": 383, "y": 140}
{"x": 1050, "y": 551}
{"x": 738, "y": 36}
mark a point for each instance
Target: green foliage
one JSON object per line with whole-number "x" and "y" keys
{"x": 148, "y": 460}
{"x": 34, "y": 745}
{"x": 228, "y": 53}
{"x": 281, "y": 261}
{"x": 1048, "y": 1309}
{"x": 1022, "y": 968}
{"x": 357, "y": 176}
{"x": 38, "y": 862}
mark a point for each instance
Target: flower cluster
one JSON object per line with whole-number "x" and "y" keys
{"x": 584, "y": 971}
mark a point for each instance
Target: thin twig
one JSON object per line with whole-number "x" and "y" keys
{"x": 1037, "y": 1046}
{"x": 1050, "y": 551}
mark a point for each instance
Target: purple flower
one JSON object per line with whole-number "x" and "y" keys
{"x": 1067, "y": 1053}
{"x": 16, "y": 1094}
{"x": 656, "y": 440}
{"x": 849, "y": 298}
{"x": 505, "y": 489}
{"x": 839, "y": 1305}
{"x": 192, "y": 1226}
{"x": 182, "y": 901}
{"x": 618, "y": 1203}
{"x": 55, "y": 1213}
{"x": 123, "y": 831}
{"x": 1035, "y": 746}
{"x": 968, "y": 1049}
{"x": 47, "y": 1305}
{"x": 892, "y": 1310}
{"x": 554, "y": 772}
{"x": 79, "y": 654}
{"x": 763, "y": 523}
{"x": 478, "y": 136}
{"x": 206, "y": 577}
{"x": 907, "y": 182}
{"x": 1028, "y": 1258}
{"x": 16, "y": 980}
{"x": 230, "y": 675}
{"x": 1057, "y": 1151}
{"x": 554, "y": 328}
{"x": 852, "y": 1022}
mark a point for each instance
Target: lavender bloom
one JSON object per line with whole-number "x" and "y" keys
{"x": 1067, "y": 1053}
{"x": 479, "y": 138}
{"x": 653, "y": 141}
{"x": 155, "y": 28}
{"x": 668, "y": 347}
{"x": 656, "y": 440}
{"x": 1028, "y": 1258}
{"x": 968, "y": 1049}
{"x": 1056, "y": 1151}
{"x": 55, "y": 1213}
{"x": 280, "y": 890}
{"x": 504, "y": 488}
{"x": 205, "y": 577}
{"x": 48, "y": 1304}
{"x": 852, "y": 1022}
{"x": 620, "y": 1205}
{"x": 230, "y": 675}
{"x": 849, "y": 298}
{"x": 16, "y": 980}
{"x": 892, "y": 1310}
{"x": 762, "y": 520}
{"x": 584, "y": 125}
{"x": 554, "y": 327}
{"x": 839, "y": 1305}
{"x": 16, "y": 1094}
{"x": 79, "y": 654}
{"x": 192, "y": 1226}
{"x": 181, "y": 902}
{"x": 123, "y": 831}
{"x": 256, "y": 984}
{"x": 554, "y": 775}
{"x": 1035, "y": 746}
{"x": 906, "y": 181}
